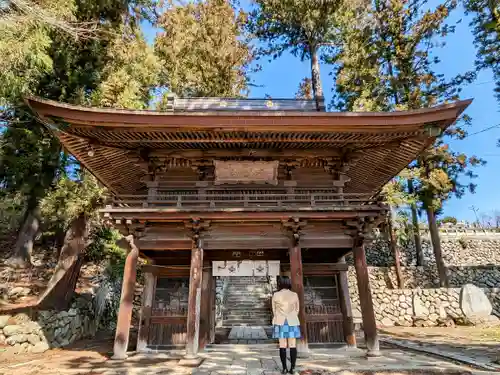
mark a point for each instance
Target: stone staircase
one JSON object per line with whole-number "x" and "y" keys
{"x": 248, "y": 302}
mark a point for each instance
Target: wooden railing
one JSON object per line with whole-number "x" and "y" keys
{"x": 239, "y": 199}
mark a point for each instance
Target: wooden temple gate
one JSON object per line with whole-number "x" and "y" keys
{"x": 211, "y": 178}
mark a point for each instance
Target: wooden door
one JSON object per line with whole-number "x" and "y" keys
{"x": 323, "y": 313}
{"x": 168, "y": 321}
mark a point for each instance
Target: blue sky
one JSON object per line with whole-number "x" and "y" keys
{"x": 280, "y": 79}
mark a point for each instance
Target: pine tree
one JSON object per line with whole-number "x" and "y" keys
{"x": 298, "y": 26}
{"x": 305, "y": 90}
{"x": 204, "y": 49}
{"x": 388, "y": 64}
{"x": 486, "y": 29}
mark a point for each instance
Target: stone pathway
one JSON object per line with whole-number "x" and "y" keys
{"x": 90, "y": 357}
{"x": 247, "y": 333}
{"x": 247, "y": 360}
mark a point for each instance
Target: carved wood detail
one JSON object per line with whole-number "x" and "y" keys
{"x": 246, "y": 172}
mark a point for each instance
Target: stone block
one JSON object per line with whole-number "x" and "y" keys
{"x": 16, "y": 339}
{"x": 18, "y": 292}
{"x": 40, "y": 347}
{"x": 33, "y": 339}
{"x": 13, "y": 330}
{"x": 474, "y": 302}
{"x": 419, "y": 309}
{"x": 3, "y": 320}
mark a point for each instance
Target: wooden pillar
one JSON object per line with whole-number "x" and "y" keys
{"x": 345, "y": 307}
{"x": 145, "y": 317}
{"x": 297, "y": 279}
{"x": 365, "y": 299}
{"x": 126, "y": 300}
{"x": 206, "y": 307}
{"x": 212, "y": 310}
{"x": 194, "y": 300}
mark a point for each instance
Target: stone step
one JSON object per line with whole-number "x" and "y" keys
{"x": 246, "y": 322}
{"x": 248, "y": 302}
{"x": 244, "y": 298}
{"x": 247, "y": 310}
{"x": 249, "y": 285}
{"x": 246, "y": 345}
{"x": 247, "y": 295}
{"x": 248, "y": 307}
{"x": 234, "y": 315}
{"x": 253, "y": 308}
{"x": 247, "y": 291}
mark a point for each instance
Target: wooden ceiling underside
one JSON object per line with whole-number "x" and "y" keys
{"x": 384, "y": 143}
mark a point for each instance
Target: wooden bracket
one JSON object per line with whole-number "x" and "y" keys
{"x": 363, "y": 227}
{"x": 195, "y": 226}
{"x": 129, "y": 227}
{"x": 293, "y": 227}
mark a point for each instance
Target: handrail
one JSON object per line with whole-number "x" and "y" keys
{"x": 347, "y": 195}
{"x": 243, "y": 199}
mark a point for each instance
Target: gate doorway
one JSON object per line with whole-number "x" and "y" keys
{"x": 244, "y": 311}
{"x": 243, "y": 300}
{"x": 323, "y": 313}
{"x": 168, "y": 320}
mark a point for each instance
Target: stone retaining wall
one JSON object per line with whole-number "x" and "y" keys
{"x": 427, "y": 277}
{"x": 397, "y": 306}
{"x": 47, "y": 329}
{"x": 466, "y": 250}
{"x": 469, "y": 258}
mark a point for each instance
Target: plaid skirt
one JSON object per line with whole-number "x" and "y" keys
{"x": 286, "y": 332}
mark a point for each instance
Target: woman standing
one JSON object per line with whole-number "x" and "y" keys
{"x": 286, "y": 324}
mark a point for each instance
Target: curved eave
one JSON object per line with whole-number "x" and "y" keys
{"x": 248, "y": 120}
{"x": 386, "y": 142}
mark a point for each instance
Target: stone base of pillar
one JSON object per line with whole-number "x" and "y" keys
{"x": 303, "y": 350}
{"x": 191, "y": 361}
{"x": 191, "y": 355}
{"x": 119, "y": 357}
{"x": 373, "y": 353}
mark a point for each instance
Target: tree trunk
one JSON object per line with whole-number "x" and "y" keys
{"x": 416, "y": 227}
{"x": 395, "y": 251}
{"x": 21, "y": 256}
{"x": 436, "y": 245}
{"x": 62, "y": 285}
{"x": 319, "y": 98}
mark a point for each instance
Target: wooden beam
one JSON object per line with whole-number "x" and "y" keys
{"x": 345, "y": 306}
{"x": 126, "y": 300}
{"x": 318, "y": 268}
{"x": 297, "y": 278}
{"x": 194, "y": 301}
{"x": 149, "y": 243}
{"x": 332, "y": 152}
{"x": 365, "y": 299}
{"x": 172, "y": 271}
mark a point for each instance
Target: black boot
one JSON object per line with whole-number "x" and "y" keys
{"x": 283, "y": 360}
{"x": 293, "y": 360}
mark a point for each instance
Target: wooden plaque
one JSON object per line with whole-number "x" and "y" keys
{"x": 246, "y": 172}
